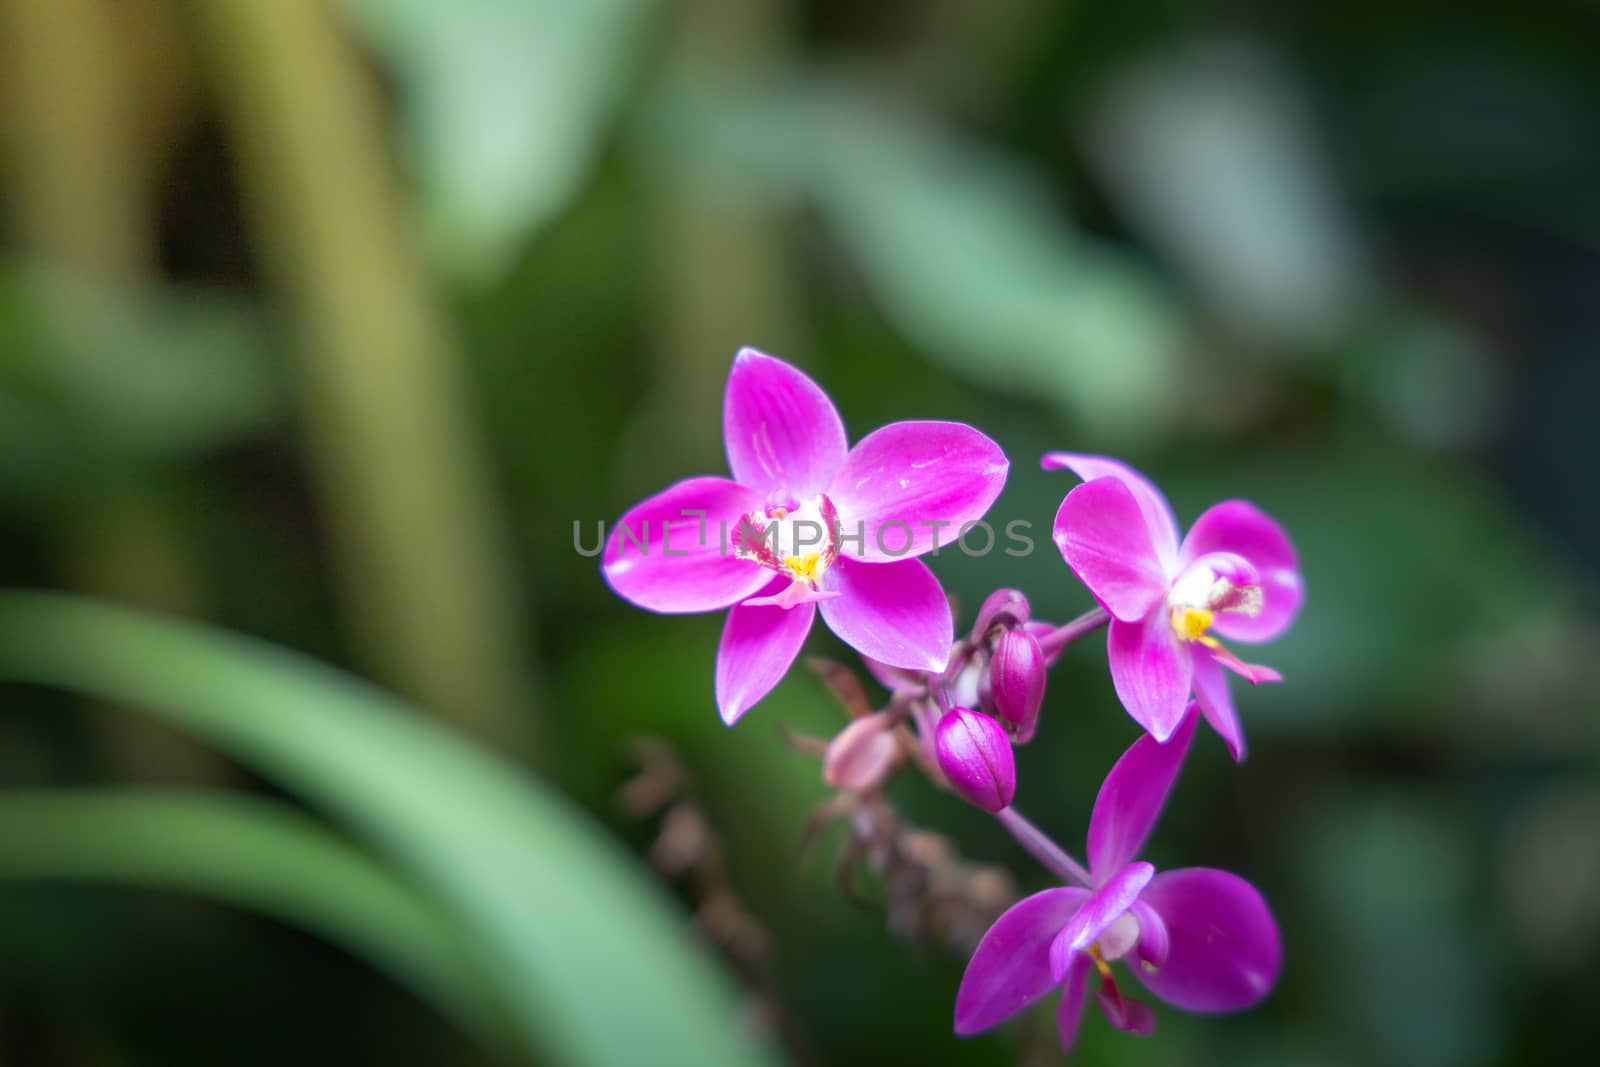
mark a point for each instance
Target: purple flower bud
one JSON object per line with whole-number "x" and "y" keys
{"x": 975, "y": 755}
{"x": 861, "y": 754}
{"x": 1001, "y": 602}
{"x": 1016, "y": 681}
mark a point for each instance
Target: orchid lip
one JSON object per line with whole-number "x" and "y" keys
{"x": 798, "y": 538}
{"x": 1201, "y": 593}
{"x": 1208, "y": 587}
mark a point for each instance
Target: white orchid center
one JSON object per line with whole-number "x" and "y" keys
{"x": 1118, "y": 939}
{"x": 796, "y": 538}
{"x": 1202, "y": 591}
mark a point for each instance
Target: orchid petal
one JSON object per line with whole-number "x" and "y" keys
{"x": 1103, "y": 908}
{"x": 792, "y": 595}
{"x": 1131, "y": 798}
{"x": 1011, "y": 967}
{"x": 1151, "y": 672}
{"x": 1155, "y": 943}
{"x": 1105, "y": 540}
{"x": 895, "y": 613}
{"x": 780, "y": 428}
{"x": 1125, "y": 1013}
{"x": 758, "y": 645}
{"x": 910, "y": 487}
{"x": 1158, "y": 517}
{"x": 1225, "y": 949}
{"x": 1216, "y": 704}
{"x": 1070, "y": 1013}
{"x": 1240, "y": 527}
{"x": 894, "y": 679}
{"x": 665, "y": 560}
{"x": 1007, "y": 607}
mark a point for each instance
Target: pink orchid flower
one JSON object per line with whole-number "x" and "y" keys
{"x": 807, "y": 523}
{"x": 1235, "y": 574}
{"x": 1200, "y": 939}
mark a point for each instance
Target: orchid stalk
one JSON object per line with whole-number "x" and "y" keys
{"x": 808, "y": 524}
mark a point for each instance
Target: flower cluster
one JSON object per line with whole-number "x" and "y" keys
{"x": 808, "y": 524}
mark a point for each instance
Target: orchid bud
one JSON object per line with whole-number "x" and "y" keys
{"x": 1001, "y": 602}
{"x": 1016, "y": 681}
{"x": 975, "y": 756}
{"x": 861, "y": 754}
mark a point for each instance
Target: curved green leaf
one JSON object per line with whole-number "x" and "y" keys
{"x": 253, "y": 854}
{"x": 594, "y": 966}
{"x": 506, "y": 106}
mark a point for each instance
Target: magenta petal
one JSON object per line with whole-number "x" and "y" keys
{"x": 758, "y": 645}
{"x": 895, "y": 613}
{"x": 1241, "y": 528}
{"x": 780, "y": 428}
{"x": 1155, "y": 943}
{"x": 1131, "y": 799}
{"x": 1070, "y": 1013}
{"x": 1105, "y": 540}
{"x": 1151, "y": 671}
{"x": 1102, "y": 909}
{"x": 1011, "y": 967}
{"x": 664, "y": 560}
{"x": 794, "y": 594}
{"x": 1225, "y": 950}
{"x": 1006, "y": 606}
{"x": 894, "y": 679}
{"x": 910, "y": 486}
{"x": 1216, "y": 704}
{"x": 1157, "y": 512}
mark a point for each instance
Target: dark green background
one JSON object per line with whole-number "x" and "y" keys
{"x": 1341, "y": 261}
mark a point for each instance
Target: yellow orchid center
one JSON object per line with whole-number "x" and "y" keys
{"x": 1191, "y": 623}
{"x": 805, "y": 567}
{"x": 798, "y": 539}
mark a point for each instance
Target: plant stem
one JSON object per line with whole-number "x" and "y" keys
{"x": 81, "y": 209}
{"x": 415, "y": 531}
{"x": 81, "y": 196}
{"x": 1052, "y": 856}
{"x": 1087, "y": 623}
{"x": 724, "y": 262}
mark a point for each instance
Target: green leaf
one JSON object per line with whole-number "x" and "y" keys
{"x": 503, "y": 108}
{"x": 961, "y": 247}
{"x": 94, "y": 379}
{"x": 592, "y": 963}
{"x": 252, "y": 854}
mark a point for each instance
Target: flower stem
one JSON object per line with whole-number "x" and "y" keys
{"x": 414, "y": 524}
{"x": 1039, "y": 845}
{"x": 1062, "y": 636}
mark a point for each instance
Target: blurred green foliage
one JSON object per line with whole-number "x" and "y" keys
{"x": 1340, "y": 262}
{"x": 565, "y": 936}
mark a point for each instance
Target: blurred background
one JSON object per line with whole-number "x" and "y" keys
{"x": 342, "y": 324}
